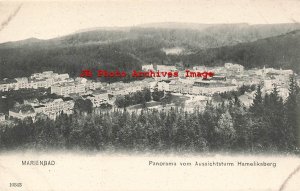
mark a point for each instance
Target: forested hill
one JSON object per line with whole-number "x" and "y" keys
{"x": 129, "y": 48}
{"x": 280, "y": 51}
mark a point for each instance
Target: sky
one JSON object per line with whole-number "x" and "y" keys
{"x": 45, "y": 19}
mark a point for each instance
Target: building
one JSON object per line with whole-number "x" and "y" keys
{"x": 200, "y": 68}
{"x": 165, "y": 68}
{"x": 98, "y": 98}
{"x": 65, "y": 89}
{"x": 179, "y": 87}
{"x": 206, "y": 69}
{"x": 8, "y": 84}
{"x": 22, "y": 111}
{"x": 43, "y": 75}
{"x": 54, "y": 107}
{"x": 209, "y": 91}
{"x": 233, "y": 69}
{"x": 32, "y": 102}
{"x": 47, "y": 78}
{"x": 283, "y": 92}
{"x": 278, "y": 81}
{"x": 61, "y": 76}
{"x": 92, "y": 85}
{"x": 39, "y": 83}
{"x": 117, "y": 91}
{"x": 2, "y": 117}
{"x": 49, "y": 75}
{"x": 276, "y": 71}
{"x": 247, "y": 98}
{"x": 207, "y": 87}
{"x": 136, "y": 86}
{"x": 218, "y": 78}
{"x": 210, "y": 83}
{"x": 21, "y": 83}
{"x": 35, "y": 81}
{"x": 163, "y": 86}
{"x": 148, "y": 67}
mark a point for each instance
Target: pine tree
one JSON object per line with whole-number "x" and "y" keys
{"x": 225, "y": 131}
{"x": 257, "y": 106}
{"x": 292, "y": 114}
{"x": 237, "y": 101}
{"x": 274, "y": 121}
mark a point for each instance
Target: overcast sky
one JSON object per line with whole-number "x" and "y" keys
{"x": 46, "y": 20}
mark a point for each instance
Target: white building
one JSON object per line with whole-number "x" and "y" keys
{"x": 22, "y": 111}
{"x": 163, "y": 86}
{"x": 47, "y": 78}
{"x": 61, "y": 76}
{"x": 247, "y": 98}
{"x": 39, "y": 83}
{"x": 283, "y": 92}
{"x": 43, "y": 75}
{"x": 98, "y": 98}
{"x": 68, "y": 88}
{"x": 200, "y": 68}
{"x": 92, "y": 85}
{"x": 37, "y": 80}
{"x": 21, "y": 83}
{"x": 234, "y": 69}
{"x": 2, "y": 117}
{"x": 54, "y": 107}
{"x": 117, "y": 91}
{"x": 148, "y": 67}
{"x": 165, "y": 68}
{"x": 212, "y": 87}
{"x": 212, "y": 90}
{"x": 7, "y": 84}
{"x": 278, "y": 80}
{"x": 179, "y": 87}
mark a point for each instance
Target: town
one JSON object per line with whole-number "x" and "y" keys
{"x": 192, "y": 92}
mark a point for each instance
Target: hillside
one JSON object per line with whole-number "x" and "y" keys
{"x": 129, "y": 48}
{"x": 280, "y": 51}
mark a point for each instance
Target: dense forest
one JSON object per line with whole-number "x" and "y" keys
{"x": 269, "y": 125}
{"x": 10, "y": 98}
{"x": 20, "y": 62}
{"x": 276, "y": 52}
{"x": 129, "y": 49}
{"x": 140, "y": 97}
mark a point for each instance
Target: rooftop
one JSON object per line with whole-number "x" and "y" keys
{"x": 39, "y": 106}
{"x": 97, "y": 92}
{"x": 49, "y": 100}
{"x": 65, "y": 84}
{"x": 67, "y": 98}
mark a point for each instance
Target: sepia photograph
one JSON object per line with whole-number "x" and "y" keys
{"x": 150, "y": 95}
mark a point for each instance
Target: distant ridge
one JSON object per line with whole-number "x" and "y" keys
{"x": 21, "y": 42}
{"x": 182, "y": 25}
{"x": 198, "y": 26}
{"x": 280, "y": 51}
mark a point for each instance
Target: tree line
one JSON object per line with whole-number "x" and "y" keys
{"x": 139, "y": 97}
{"x": 269, "y": 125}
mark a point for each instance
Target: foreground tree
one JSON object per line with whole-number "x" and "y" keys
{"x": 291, "y": 109}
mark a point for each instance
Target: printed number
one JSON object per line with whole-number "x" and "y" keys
{"x": 15, "y": 184}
